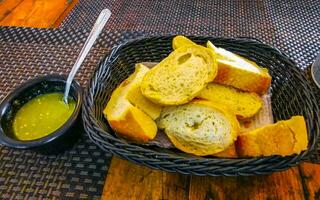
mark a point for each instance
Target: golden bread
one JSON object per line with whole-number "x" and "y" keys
{"x": 240, "y": 72}
{"x": 180, "y": 77}
{"x": 282, "y": 138}
{"x": 243, "y": 104}
{"x": 230, "y": 152}
{"x": 200, "y": 127}
{"x": 136, "y": 98}
{"x": 129, "y": 113}
{"x": 233, "y": 69}
{"x": 180, "y": 41}
{"x": 225, "y": 87}
{"x": 133, "y": 124}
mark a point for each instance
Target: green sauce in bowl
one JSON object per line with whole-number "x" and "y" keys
{"x": 41, "y": 116}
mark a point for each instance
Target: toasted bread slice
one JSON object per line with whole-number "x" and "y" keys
{"x": 180, "y": 77}
{"x": 239, "y": 72}
{"x": 243, "y": 104}
{"x": 200, "y": 127}
{"x": 129, "y": 113}
{"x": 282, "y": 138}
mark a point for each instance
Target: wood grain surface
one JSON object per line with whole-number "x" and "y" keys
{"x": 310, "y": 174}
{"x": 279, "y": 185}
{"x": 126, "y": 180}
{"x": 6, "y": 7}
{"x": 34, "y": 13}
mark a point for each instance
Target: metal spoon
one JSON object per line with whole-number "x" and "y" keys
{"x": 96, "y": 30}
{"x": 315, "y": 71}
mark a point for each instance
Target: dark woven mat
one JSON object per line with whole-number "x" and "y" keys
{"x": 79, "y": 172}
{"x": 292, "y": 26}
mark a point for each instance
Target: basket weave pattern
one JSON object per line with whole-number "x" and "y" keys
{"x": 291, "y": 95}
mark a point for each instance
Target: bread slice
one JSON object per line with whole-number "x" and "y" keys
{"x": 200, "y": 127}
{"x": 234, "y": 70}
{"x": 230, "y": 152}
{"x": 243, "y": 104}
{"x": 129, "y": 113}
{"x": 240, "y": 72}
{"x": 136, "y": 98}
{"x": 180, "y": 77}
{"x": 180, "y": 41}
{"x": 282, "y": 138}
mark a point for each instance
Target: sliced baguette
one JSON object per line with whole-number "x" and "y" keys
{"x": 282, "y": 138}
{"x": 239, "y": 72}
{"x": 129, "y": 113}
{"x": 180, "y": 77}
{"x": 243, "y": 104}
{"x": 136, "y": 98}
{"x": 200, "y": 127}
{"x": 233, "y": 69}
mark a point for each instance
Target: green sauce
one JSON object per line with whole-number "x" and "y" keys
{"x": 41, "y": 116}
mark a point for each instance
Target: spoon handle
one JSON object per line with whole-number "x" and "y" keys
{"x": 315, "y": 71}
{"x": 96, "y": 30}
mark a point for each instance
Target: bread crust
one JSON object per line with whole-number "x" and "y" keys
{"x": 242, "y": 79}
{"x": 134, "y": 125}
{"x": 230, "y": 152}
{"x": 180, "y": 41}
{"x": 282, "y": 138}
{"x": 128, "y": 120}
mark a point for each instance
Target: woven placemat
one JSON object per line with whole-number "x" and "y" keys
{"x": 291, "y": 26}
{"x": 78, "y": 173}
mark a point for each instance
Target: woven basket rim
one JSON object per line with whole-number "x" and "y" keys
{"x": 102, "y": 135}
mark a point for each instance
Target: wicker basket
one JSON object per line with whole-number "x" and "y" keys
{"x": 291, "y": 95}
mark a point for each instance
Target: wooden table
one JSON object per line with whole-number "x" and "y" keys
{"x": 126, "y": 180}
{"x": 34, "y": 13}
